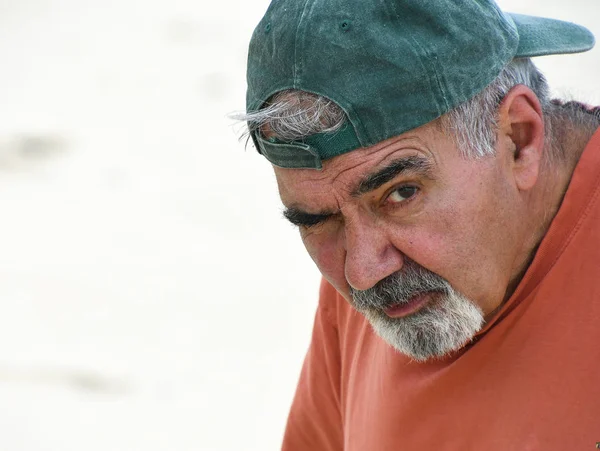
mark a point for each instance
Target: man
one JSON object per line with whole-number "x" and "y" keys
{"x": 453, "y": 205}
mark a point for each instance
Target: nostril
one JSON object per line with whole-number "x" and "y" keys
{"x": 368, "y": 263}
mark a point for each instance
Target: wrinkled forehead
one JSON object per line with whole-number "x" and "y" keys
{"x": 415, "y": 151}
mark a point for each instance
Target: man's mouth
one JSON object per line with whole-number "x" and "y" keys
{"x": 413, "y": 305}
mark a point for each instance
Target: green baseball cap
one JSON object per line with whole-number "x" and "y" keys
{"x": 391, "y": 65}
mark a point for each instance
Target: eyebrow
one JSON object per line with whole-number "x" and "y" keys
{"x": 411, "y": 164}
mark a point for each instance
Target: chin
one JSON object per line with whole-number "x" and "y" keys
{"x": 435, "y": 331}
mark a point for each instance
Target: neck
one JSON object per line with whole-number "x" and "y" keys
{"x": 547, "y": 196}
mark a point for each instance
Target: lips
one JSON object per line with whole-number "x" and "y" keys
{"x": 413, "y": 305}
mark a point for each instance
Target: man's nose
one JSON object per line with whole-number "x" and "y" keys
{"x": 370, "y": 255}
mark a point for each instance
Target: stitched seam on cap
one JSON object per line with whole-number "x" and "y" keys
{"x": 434, "y": 65}
{"x": 392, "y": 6}
{"x": 435, "y": 79}
{"x": 297, "y": 59}
{"x": 423, "y": 52}
{"x": 503, "y": 21}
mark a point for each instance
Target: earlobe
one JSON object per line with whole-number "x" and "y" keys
{"x": 521, "y": 129}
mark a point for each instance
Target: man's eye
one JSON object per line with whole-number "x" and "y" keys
{"x": 402, "y": 194}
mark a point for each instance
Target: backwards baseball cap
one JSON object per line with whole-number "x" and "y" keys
{"x": 391, "y": 65}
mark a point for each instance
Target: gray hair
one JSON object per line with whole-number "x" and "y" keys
{"x": 294, "y": 115}
{"x": 473, "y": 124}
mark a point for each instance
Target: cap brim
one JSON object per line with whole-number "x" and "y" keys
{"x": 539, "y": 36}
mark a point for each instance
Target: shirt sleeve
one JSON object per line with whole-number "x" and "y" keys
{"x": 315, "y": 420}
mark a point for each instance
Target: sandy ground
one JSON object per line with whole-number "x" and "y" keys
{"x": 152, "y": 298}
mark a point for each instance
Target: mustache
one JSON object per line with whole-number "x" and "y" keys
{"x": 399, "y": 287}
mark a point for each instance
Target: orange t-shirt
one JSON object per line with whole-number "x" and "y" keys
{"x": 529, "y": 381}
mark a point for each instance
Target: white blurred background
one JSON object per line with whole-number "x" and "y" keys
{"x": 151, "y": 296}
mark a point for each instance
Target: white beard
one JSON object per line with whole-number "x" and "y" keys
{"x": 445, "y": 325}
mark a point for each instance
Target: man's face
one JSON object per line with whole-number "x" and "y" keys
{"x": 414, "y": 235}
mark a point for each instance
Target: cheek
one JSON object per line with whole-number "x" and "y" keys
{"x": 466, "y": 238}
{"x": 446, "y": 246}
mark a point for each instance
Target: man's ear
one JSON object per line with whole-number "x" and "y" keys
{"x": 521, "y": 135}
